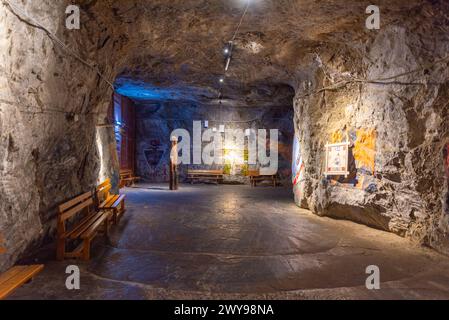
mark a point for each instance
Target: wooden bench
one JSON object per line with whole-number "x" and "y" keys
{"x": 255, "y": 177}
{"x": 208, "y": 175}
{"x": 110, "y": 202}
{"x": 127, "y": 178}
{"x": 87, "y": 225}
{"x": 16, "y": 277}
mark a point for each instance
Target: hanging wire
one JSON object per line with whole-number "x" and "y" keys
{"x": 377, "y": 81}
{"x": 234, "y": 36}
{"x": 241, "y": 21}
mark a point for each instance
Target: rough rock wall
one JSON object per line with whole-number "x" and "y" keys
{"x": 50, "y": 105}
{"x": 397, "y": 130}
{"x": 156, "y": 121}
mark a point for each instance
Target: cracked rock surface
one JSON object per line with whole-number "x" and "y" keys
{"x": 51, "y": 103}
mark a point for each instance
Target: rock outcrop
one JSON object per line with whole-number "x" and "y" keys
{"x": 399, "y": 183}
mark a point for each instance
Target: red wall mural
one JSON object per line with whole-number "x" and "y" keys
{"x": 446, "y": 168}
{"x": 446, "y": 162}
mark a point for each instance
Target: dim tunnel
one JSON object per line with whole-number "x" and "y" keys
{"x": 359, "y": 117}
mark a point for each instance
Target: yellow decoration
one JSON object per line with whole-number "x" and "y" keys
{"x": 336, "y": 137}
{"x": 365, "y": 148}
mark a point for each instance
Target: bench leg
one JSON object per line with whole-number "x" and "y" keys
{"x": 60, "y": 250}
{"x": 86, "y": 250}
{"x": 115, "y": 216}
{"x": 106, "y": 230}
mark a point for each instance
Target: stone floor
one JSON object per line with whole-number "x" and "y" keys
{"x": 236, "y": 242}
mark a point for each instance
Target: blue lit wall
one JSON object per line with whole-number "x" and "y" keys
{"x": 144, "y": 91}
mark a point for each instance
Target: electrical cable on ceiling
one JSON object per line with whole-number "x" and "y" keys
{"x": 380, "y": 81}
{"x": 230, "y": 47}
{"x": 240, "y": 23}
{"x": 36, "y": 24}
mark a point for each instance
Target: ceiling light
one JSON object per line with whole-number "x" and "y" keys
{"x": 227, "y": 50}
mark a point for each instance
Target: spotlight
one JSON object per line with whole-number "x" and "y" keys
{"x": 227, "y": 50}
{"x": 221, "y": 80}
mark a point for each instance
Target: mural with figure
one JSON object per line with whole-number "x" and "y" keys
{"x": 156, "y": 154}
{"x": 365, "y": 150}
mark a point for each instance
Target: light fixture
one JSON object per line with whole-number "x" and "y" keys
{"x": 227, "y": 51}
{"x": 228, "y": 54}
{"x": 221, "y": 80}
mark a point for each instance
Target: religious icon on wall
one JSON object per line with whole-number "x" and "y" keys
{"x": 337, "y": 156}
{"x": 154, "y": 153}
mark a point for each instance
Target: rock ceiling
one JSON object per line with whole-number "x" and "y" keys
{"x": 178, "y": 44}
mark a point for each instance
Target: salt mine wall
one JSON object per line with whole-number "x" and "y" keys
{"x": 398, "y": 129}
{"x": 50, "y": 107}
{"x": 156, "y": 121}
{"x": 53, "y": 114}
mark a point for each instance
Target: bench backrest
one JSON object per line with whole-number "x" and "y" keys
{"x": 103, "y": 190}
{"x": 253, "y": 173}
{"x": 211, "y": 172}
{"x": 126, "y": 172}
{"x": 73, "y": 207}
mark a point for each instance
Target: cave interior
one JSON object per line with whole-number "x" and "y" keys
{"x": 79, "y": 105}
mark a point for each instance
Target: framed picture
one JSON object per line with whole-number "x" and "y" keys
{"x": 337, "y": 156}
